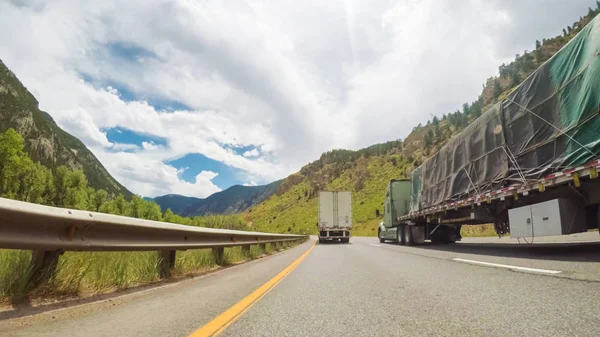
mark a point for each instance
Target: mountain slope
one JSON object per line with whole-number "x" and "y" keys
{"x": 235, "y": 199}
{"x": 366, "y": 172}
{"x": 175, "y": 202}
{"x": 45, "y": 141}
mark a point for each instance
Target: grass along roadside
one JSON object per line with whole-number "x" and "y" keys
{"x": 83, "y": 274}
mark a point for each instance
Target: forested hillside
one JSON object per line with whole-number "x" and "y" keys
{"x": 366, "y": 172}
{"x": 46, "y": 142}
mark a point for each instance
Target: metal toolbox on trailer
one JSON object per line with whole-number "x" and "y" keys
{"x": 553, "y": 217}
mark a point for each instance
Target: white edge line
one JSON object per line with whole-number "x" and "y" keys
{"x": 374, "y": 245}
{"x": 525, "y": 269}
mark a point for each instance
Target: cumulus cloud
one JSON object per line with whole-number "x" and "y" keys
{"x": 124, "y": 147}
{"x": 251, "y": 153}
{"x": 291, "y": 78}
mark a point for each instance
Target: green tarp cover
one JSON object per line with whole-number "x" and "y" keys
{"x": 549, "y": 123}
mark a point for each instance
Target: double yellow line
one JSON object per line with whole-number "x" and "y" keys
{"x": 221, "y": 322}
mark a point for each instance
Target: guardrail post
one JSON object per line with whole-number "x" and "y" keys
{"x": 218, "y": 254}
{"x": 166, "y": 262}
{"x": 43, "y": 266}
{"x": 263, "y": 246}
{"x": 246, "y": 250}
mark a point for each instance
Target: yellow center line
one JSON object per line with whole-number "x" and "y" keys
{"x": 221, "y": 322}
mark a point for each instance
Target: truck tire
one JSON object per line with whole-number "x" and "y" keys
{"x": 381, "y": 240}
{"x": 452, "y": 236}
{"x": 408, "y": 236}
{"x": 400, "y": 237}
{"x": 444, "y": 235}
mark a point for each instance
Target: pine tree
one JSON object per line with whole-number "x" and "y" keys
{"x": 466, "y": 109}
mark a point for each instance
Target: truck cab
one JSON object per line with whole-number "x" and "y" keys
{"x": 397, "y": 203}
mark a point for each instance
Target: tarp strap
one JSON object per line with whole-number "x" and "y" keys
{"x": 513, "y": 160}
{"x": 552, "y": 125}
{"x": 471, "y": 180}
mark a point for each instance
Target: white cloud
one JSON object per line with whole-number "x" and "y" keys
{"x": 149, "y": 146}
{"x": 251, "y": 153}
{"x": 291, "y": 78}
{"x": 124, "y": 147}
{"x": 251, "y": 183}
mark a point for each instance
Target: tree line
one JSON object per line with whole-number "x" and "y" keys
{"x": 22, "y": 179}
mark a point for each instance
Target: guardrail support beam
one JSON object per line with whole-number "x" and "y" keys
{"x": 43, "y": 266}
{"x": 246, "y": 250}
{"x": 166, "y": 262}
{"x": 219, "y": 255}
{"x": 263, "y": 246}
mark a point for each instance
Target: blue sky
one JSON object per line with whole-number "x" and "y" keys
{"x": 189, "y": 165}
{"x": 191, "y": 97}
{"x": 125, "y": 136}
{"x": 195, "y": 163}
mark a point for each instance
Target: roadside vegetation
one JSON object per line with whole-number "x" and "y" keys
{"x": 81, "y": 274}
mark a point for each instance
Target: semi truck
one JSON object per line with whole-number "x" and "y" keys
{"x": 528, "y": 165}
{"x": 335, "y": 216}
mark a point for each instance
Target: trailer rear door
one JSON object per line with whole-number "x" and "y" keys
{"x": 344, "y": 209}
{"x": 326, "y": 216}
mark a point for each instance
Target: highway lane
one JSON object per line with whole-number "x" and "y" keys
{"x": 367, "y": 289}
{"x": 174, "y": 310}
{"x": 577, "y": 256}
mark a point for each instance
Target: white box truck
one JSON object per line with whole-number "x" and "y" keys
{"x": 335, "y": 216}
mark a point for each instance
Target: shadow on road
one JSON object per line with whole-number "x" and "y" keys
{"x": 576, "y": 252}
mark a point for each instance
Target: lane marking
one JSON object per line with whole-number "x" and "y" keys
{"x": 225, "y": 319}
{"x": 374, "y": 245}
{"x": 525, "y": 269}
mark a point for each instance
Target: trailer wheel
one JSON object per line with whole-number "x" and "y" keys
{"x": 444, "y": 235}
{"x": 452, "y": 236}
{"x": 408, "y": 236}
{"x": 400, "y": 239}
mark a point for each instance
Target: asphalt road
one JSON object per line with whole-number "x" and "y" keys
{"x": 367, "y": 289}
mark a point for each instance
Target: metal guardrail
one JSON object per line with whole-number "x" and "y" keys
{"x": 51, "y": 230}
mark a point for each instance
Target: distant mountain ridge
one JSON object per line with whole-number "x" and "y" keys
{"x": 45, "y": 141}
{"x": 177, "y": 203}
{"x": 233, "y": 200}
